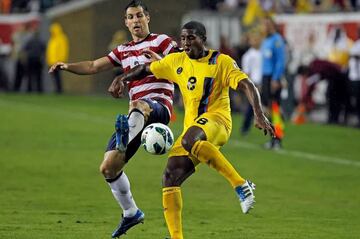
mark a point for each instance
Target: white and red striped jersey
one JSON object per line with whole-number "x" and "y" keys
{"x": 129, "y": 55}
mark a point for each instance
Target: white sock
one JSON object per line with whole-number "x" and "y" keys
{"x": 120, "y": 188}
{"x": 136, "y": 123}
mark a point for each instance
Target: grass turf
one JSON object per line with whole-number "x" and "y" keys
{"x": 51, "y": 147}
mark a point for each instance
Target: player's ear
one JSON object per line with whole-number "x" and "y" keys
{"x": 126, "y": 22}
{"x": 204, "y": 38}
{"x": 148, "y": 18}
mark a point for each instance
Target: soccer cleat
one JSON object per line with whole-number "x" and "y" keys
{"x": 128, "y": 222}
{"x": 122, "y": 132}
{"x": 246, "y": 196}
{"x": 274, "y": 144}
{"x": 268, "y": 145}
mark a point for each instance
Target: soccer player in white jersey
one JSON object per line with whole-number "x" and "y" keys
{"x": 150, "y": 102}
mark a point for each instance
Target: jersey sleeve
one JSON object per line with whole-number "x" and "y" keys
{"x": 231, "y": 74}
{"x": 115, "y": 57}
{"x": 166, "y": 44}
{"x": 163, "y": 69}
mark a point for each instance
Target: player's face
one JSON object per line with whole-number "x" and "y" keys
{"x": 267, "y": 26}
{"x": 193, "y": 45}
{"x": 255, "y": 41}
{"x": 137, "y": 21}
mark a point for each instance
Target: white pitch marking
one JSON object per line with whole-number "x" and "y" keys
{"x": 299, "y": 154}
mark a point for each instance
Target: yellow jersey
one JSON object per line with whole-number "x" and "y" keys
{"x": 204, "y": 83}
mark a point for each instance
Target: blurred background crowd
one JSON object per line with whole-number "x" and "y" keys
{"x": 24, "y": 6}
{"x": 313, "y": 63}
{"x": 283, "y": 6}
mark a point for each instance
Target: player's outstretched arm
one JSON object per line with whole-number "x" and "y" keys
{"x": 261, "y": 122}
{"x": 136, "y": 73}
{"x": 83, "y": 67}
{"x": 58, "y": 66}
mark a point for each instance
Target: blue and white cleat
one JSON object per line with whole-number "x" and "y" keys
{"x": 246, "y": 195}
{"x": 128, "y": 222}
{"x": 122, "y": 132}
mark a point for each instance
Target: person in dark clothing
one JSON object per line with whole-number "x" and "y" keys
{"x": 354, "y": 77}
{"x": 19, "y": 40}
{"x": 4, "y": 85}
{"x": 19, "y": 6}
{"x": 35, "y": 51}
{"x": 337, "y": 85}
{"x": 210, "y": 4}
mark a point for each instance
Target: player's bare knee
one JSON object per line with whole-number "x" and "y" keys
{"x": 187, "y": 143}
{"x": 107, "y": 171}
{"x": 192, "y": 135}
{"x": 142, "y": 106}
{"x": 113, "y": 163}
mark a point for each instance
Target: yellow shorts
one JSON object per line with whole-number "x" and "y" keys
{"x": 216, "y": 130}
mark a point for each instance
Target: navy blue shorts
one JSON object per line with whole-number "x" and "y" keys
{"x": 159, "y": 114}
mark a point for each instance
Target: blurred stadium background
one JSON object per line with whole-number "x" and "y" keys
{"x": 51, "y": 144}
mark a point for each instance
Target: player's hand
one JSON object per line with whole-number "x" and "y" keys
{"x": 151, "y": 55}
{"x": 58, "y": 66}
{"x": 121, "y": 88}
{"x": 117, "y": 87}
{"x": 261, "y": 122}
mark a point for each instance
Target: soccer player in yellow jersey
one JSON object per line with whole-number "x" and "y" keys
{"x": 204, "y": 78}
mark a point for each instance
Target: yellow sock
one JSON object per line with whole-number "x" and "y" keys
{"x": 207, "y": 153}
{"x": 172, "y": 203}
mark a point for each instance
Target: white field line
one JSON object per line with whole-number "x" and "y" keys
{"x": 298, "y": 154}
{"x": 233, "y": 143}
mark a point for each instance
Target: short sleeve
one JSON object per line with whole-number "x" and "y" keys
{"x": 231, "y": 73}
{"x": 166, "y": 44}
{"x": 163, "y": 69}
{"x": 115, "y": 57}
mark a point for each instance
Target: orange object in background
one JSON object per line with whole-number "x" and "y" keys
{"x": 299, "y": 115}
{"x": 277, "y": 120}
{"x": 5, "y": 6}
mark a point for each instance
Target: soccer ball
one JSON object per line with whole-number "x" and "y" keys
{"x": 157, "y": 138}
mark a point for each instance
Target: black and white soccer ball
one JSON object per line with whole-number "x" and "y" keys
{"x": 157, "y": 138}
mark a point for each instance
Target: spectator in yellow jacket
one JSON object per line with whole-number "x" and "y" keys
{"x": 57, "y": 51}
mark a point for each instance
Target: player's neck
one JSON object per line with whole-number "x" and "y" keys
{"x": 140, "y": 38}
{"x": 202, "y": 54}
{"x": 272, "y": 32}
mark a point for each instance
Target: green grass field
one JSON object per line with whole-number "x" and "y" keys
{"x": 50, "y": 185}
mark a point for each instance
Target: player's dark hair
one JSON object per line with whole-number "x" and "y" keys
{"x": 137, "y": 3}
{"x": 199, "y": 28}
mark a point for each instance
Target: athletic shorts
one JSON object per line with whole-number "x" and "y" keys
{"x": 216, "y": 133}
{"x": 159, "y": 114}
